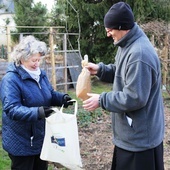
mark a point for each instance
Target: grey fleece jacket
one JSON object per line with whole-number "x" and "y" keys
{"x": 136, "y": 95}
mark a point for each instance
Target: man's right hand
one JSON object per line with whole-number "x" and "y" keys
{"x": 93, "y": 68}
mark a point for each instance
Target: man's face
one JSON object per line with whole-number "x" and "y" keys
{"x": 115, "y": 34}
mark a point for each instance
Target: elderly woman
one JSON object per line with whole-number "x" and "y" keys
{"x": 26, "y": 96}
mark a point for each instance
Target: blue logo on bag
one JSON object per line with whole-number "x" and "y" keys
{"x": 59, "y": 141}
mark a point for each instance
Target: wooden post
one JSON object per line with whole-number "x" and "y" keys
{"x": 53, "y": 74}
{"x": 167, "y": 62}
{"x": 8, "y": 42}
{"x": 65, "y": 61}
{"x": 165, "y": 70}
{"x": 153, "y": 40}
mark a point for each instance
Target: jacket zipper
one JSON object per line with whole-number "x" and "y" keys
{"x": 31, "y": 138}
{"x": 32, "y": 135}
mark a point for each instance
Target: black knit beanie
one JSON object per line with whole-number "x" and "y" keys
{"x": 119, "y": 16}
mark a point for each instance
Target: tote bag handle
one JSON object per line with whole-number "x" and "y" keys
{"x": 75, "y": 106}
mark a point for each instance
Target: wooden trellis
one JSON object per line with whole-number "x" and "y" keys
{"x": 52, "y": 32}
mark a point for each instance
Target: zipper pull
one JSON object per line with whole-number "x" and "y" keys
{"x": 31, "y": 140}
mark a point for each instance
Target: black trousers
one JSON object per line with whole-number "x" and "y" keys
{"x": 151, "y": 159}
{"x": 27, "y": 163}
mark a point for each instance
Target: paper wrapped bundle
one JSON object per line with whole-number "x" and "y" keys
{"x": 84, "y": 81}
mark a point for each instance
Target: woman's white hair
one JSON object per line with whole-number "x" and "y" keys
{"x": 28, "y": 46}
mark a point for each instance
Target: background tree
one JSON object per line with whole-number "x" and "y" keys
{"x": 150, "y": 10}
{"x": 90, "y": 13}
{"x": 83, "y": 18}
{"x": 29, "y": 14}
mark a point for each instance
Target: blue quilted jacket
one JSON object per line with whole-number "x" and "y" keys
{"x": 22, "y": 130}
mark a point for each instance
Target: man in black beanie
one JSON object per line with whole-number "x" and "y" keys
{"x": 119, "y": 17}
{"x": 135, "y": 102}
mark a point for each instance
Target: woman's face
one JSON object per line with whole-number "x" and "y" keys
{"x": 33, "y": 62}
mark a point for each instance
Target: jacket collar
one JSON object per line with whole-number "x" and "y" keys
{"x": 130, "y": 37}
{"x": 21, "y": 72}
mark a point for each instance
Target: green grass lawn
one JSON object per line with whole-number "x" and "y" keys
{"x": 84, "y": 118}
{"x": 4, "y": 160}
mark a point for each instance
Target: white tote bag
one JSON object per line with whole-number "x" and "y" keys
{"x": 61, "y": 142}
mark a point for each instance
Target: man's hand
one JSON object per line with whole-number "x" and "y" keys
{"x": 92, "y": 103}
{"x": 93, "y": 68}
